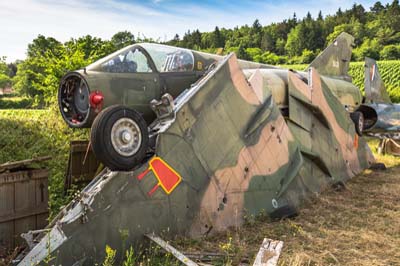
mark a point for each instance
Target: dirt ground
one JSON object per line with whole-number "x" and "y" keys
{"x": 358, "y": 225}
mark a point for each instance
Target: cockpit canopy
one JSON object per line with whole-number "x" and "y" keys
{"x": 170, "y": 59}
{"x": 145, "y": 58}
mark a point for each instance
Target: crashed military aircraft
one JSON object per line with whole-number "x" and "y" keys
{"x": 131, "y": 80}
{"x": 243, "y": 139}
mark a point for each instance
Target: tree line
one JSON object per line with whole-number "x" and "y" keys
{"x": 292, "y": 41}
{"x": 296, "y": 41}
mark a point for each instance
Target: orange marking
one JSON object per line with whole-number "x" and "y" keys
{"x": 167, "y": 177}
{"x": 355, "y": 141}
{"x": 143, "y": 174}
{"x": 151, "y": 192}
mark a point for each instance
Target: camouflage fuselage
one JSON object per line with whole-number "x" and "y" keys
{"x": 237, "y": 156}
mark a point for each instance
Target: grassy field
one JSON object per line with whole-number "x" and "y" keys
{"x": 27, "y": 134}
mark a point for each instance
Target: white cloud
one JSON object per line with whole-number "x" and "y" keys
{"x": 23, "y": 20}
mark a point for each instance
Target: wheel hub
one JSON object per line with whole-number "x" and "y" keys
{"x": 126, "y": 137}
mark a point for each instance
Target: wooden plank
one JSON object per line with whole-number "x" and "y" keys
{"x": 23, "y": 163}
{"x": 182, "y": 258}
{"x": 41, "y": 193}
{"x": 7, "y": 235}
{"x": 269, "y": 253}
{"x": 20, "y": 176}
{"x": 25, "y": 196}
{"x": 82, "y": 167}
{"x": 23, "y": 204}
{"x": 6, "y": 200}
{"x": 79, "y": 145}
{"x": 23, "y": 214}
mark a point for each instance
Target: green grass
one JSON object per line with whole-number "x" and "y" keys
{"x": 15, "y": 102}
{"x": 27, "y": 134}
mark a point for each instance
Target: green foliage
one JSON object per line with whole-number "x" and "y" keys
{"x": 130, "y": 258}
{"x": 5, "y": 73}
{"x": 3, "y": 65}
{"x": 48, "y": 60}
{"x": 110, "y": 256}
{"x": 5, "y": 80}
{"x": 15, "y": 102}
{"x": 122, "y": 39}
{"x": 369, "y": 48}
{"x": 38, "y": 76}
{"x": 390, "y": 52}
{"x": 299, "y": 40}
{"x": 27, "y": 134}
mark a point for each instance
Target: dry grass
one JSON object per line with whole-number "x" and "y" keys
{"x": 359, "y": 225}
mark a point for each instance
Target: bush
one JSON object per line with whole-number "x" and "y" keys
{"x": 390, "y": 52}
{"x": 27, "y": 134}
{"x": 369, "y": 48}
{"x": 15, "y": 102}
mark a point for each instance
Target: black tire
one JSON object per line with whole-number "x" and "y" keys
{"x": 102, "y": 143}
{"x": 358, "y": 120}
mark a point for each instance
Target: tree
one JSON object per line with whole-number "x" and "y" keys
{"x": 39, "y": 75}
{"x": 42, "y": 45}
{"x": 122, "y": 39}
{"x": 357, "y": 12}
{"x": 241, "y": 53}
{"x": 377, "y": 8}
{"x": 256, "y": 34}
{"x": 390, "y": 52}
{"x": 296, "y": 40}
{"x": 369, "y": 48}
{"x": 267, "y": 40}
{"x": 5, "y": 80}
{"x": 3, "y": 65}
{"x": 218, "y": 40}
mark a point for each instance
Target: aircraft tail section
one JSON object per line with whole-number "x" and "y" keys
{"x": 335, "y": 59}
{"x": 375, "y": 91}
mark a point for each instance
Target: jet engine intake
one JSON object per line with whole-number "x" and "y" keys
{"x": 74, "y": 100}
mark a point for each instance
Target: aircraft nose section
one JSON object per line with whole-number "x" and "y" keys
{"x": 74, "y": 100}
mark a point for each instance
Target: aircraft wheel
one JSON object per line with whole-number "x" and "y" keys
{"x": 119, "y": 138}
{"x": 358, "y": 119}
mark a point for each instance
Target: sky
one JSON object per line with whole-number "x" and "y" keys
{"x": 23, "y": 20}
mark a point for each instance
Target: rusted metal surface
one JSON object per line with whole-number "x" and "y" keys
{"x": 23, "y": 202}
{"x": 82, "y": 164}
